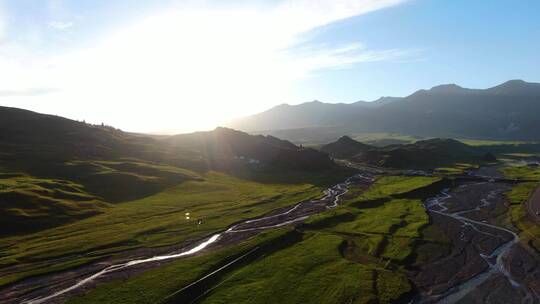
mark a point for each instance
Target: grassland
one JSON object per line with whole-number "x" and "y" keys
{"x": 394, "y": 185}
{"x": 352, "y": 254}
{"x": 458, "y": 168}
{"x": 217, "y": 199}
{"x": 530, "y": 231}
{"x": 486, "y": 142}
{"x": 381, "y": 223}
{"x": 522, "y": 172}
{"x": 520, "y": 193}
{"x": 312, "y": 271}
{"x": 125, "y": 179}
{"x": 519, "y": 155}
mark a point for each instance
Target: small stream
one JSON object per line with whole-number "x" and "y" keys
{"x": 459, "y": 291}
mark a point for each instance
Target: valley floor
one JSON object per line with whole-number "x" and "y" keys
{"x": 370, "y": 239}
{"x": 487, "y": 262}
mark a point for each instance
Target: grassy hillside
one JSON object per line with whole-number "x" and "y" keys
{"x": 30, "y": 204}
{"x": 78, "y": 189}
{"x": 224, "y": 147}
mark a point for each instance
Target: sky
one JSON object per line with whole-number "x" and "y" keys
{"x": 172, "y": 66}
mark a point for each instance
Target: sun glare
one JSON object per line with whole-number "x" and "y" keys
{"x": 190, "y": 68}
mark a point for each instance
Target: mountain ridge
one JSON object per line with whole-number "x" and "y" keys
{"x": 505, "y": 111}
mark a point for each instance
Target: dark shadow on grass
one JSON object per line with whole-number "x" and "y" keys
{"x": 328, "y": 222}
{"x": 368, "y": 204}
{"x": 428, "y": 191}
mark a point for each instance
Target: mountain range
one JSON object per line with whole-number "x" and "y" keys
{"x": 508, "y": 111}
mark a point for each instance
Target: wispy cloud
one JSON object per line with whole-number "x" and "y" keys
{"x": 3, "y": 21}
{"x": 203, "y": 64}
{"x": 59, "y": 15}
{"x": 311, "y": 60}
{"x": 60, "y": 25}
{"x": 27, "y": 92}
{"x": 308, "y": 14}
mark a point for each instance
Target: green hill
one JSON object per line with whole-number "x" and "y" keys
{"x": 429, "y": 153}
{"x": 422, "y": 154}
{"x": 224, "y": 147}
{"x": 345, "y": 147}
{"x": 55, "y": 170}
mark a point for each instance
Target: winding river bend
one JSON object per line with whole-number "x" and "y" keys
{"x": 494, "y": 260}
{"x": 296, "y": 213}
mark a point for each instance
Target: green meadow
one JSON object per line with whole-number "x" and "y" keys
{"x": 522, "y": 172}
{"x": 355, "y": 253}
{"x": 156, "y": 220}
{"x": 520, "y": 193}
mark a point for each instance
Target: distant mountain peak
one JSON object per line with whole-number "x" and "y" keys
{"x": 345, "y": 147}
{"x": 346, "y": 139}
{"x": 449, "y": 88}
{"x": 516, "y": 81}
{"x": 440, "y": 141}
{"x": 517, "y": 87}
{"x": 313, "y": 103}
{"x": 387, "y": 99}
{"x": 514, "y": 84}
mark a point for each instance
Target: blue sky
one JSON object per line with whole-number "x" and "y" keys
{"x": 475, "y": 44}
{"x": 177, "y": 66}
